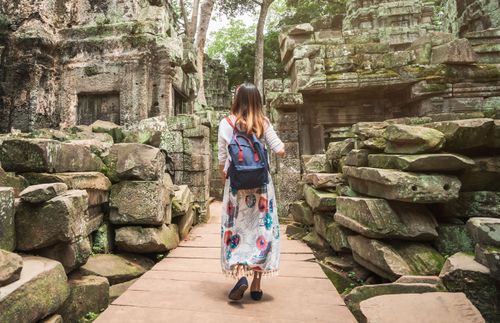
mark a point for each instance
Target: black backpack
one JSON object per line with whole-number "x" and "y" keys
{"x": 249, "y": 166}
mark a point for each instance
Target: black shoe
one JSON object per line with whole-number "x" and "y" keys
{"x": 239, "y": 289}
{"x": 257, "y": 295}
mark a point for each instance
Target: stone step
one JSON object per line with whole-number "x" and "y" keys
{"x": 417, "y": 308}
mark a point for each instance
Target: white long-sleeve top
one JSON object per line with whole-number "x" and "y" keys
{"x": 271, "y": 139}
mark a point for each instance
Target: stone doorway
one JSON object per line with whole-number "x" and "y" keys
{"x": 98, "y": 106}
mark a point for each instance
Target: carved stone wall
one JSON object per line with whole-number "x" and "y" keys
{"x": 54, "y": 53}
{"x": 216, "y": 85}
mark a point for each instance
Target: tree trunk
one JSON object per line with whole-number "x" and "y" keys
{"x": 194, "y": 19}
{"x": 259, "y": 46}
{"x": 187, "y": 31}
{"x": 201, "y": 37}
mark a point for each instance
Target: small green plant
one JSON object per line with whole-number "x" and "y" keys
{"x": 89, "y": 317}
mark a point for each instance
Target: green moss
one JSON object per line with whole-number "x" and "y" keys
{"x": 434, "y": 87}
{"x": 342, "y": 281}
{"x": 4, "y": 22}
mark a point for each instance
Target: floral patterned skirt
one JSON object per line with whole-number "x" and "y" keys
{"x": 250, "y": 231}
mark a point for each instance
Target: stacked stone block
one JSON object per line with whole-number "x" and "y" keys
{"x": 216, "y": 82}
{"x": 216, "y": 181}
{"x": 93, "y": 204}
{"x": 285, "y": 171}
{"x": 186, "y": 139}
{"x": 411, "y": 201}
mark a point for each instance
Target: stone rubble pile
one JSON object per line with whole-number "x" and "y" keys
{"x": 408, "y": 197}
{"x": 92, "y": 208}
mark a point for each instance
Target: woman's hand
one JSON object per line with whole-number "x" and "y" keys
{"x": 223, "y": 174}
{"x": 281, "y": 153}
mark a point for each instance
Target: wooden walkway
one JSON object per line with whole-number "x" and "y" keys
{"x": 187, "y": 286}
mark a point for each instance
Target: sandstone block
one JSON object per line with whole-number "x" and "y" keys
{"x": 464, "y": 134}
{"x": 359, "y": 294}
{"x": 474, "y": 204}
{"x": 403, "y": 139}
{"x": 182, "y": 200}
{"x": 453, "y": 238}
{"x": 197, "y": 132}
{"x": 392, "y": 261}
{"x": 71, "y": 255}
{"x": 18, "y": 183}
{"x": 489, "y": 256}
{"x": 494, "y": 139}
{"x": 461, "y": 273}
{"x": 7, "y": 223}
{"x": 11, "y": 265}
{"x": 76, "y": 158}
{"x": 458, "y": 51}
{"x": 135, "y": 162}
{"x": 357, "y": 157}
{"x": 381, "y": 219}
{"x": 301, "y": 212}
{"x": 61, "y": 219}
{"x": 196, "y": 162}
{"x": 171, "y": 142}
{"x": 421, "y": 163}
{"x": 295, "y": 231}
{"x": 192, "y": 179}
{"x": 147, "y": 240}
{"x": 319, "y": 200}
{"x": 315, "y": 164}
{"x": 484, "y": 176}
{"x": 40, "y": 291}
{"x": 337, "y": 150}
{"x": 184, "y": 222}
{"x": 87, "y": 294}
{"x": 436, "y": 307}
{"x": 116, "y": 290}
{"x": 485, "y": 231}
{"x": 46, "y": 155}
{"x": 108, "y": 127}
{"x": 323, "y": 180}
{"x": 42, "y": 192}
{"x": 196, "y": 146}
{"x": 432, "y": 280}
{"x": 116, "y": 268}
{"x": 315, "y": 241}
{"x": 402, "y": 186}
{"x": 336, "y": 236}
{"x": 139, "y": 203}
{"x": 75, "y": 181}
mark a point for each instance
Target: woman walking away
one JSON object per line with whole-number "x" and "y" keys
{"x": 250, "y": 228}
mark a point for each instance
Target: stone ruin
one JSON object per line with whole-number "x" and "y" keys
{"x": 391, "y": 120}
{"x": 75, "y": 62}
{"x": 104, "y": 166}
{"x": 390, "y": 123}
{"x": 385, "y": 59}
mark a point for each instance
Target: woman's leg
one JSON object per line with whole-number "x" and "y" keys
{"x": 255, "y": 287}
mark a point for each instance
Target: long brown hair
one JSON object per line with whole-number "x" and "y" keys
{"x": 248, "y": 109}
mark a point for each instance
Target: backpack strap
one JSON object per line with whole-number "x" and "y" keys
{"x": 230, "y": 122}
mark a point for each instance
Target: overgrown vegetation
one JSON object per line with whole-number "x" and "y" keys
{"x": 234, "y": 45}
